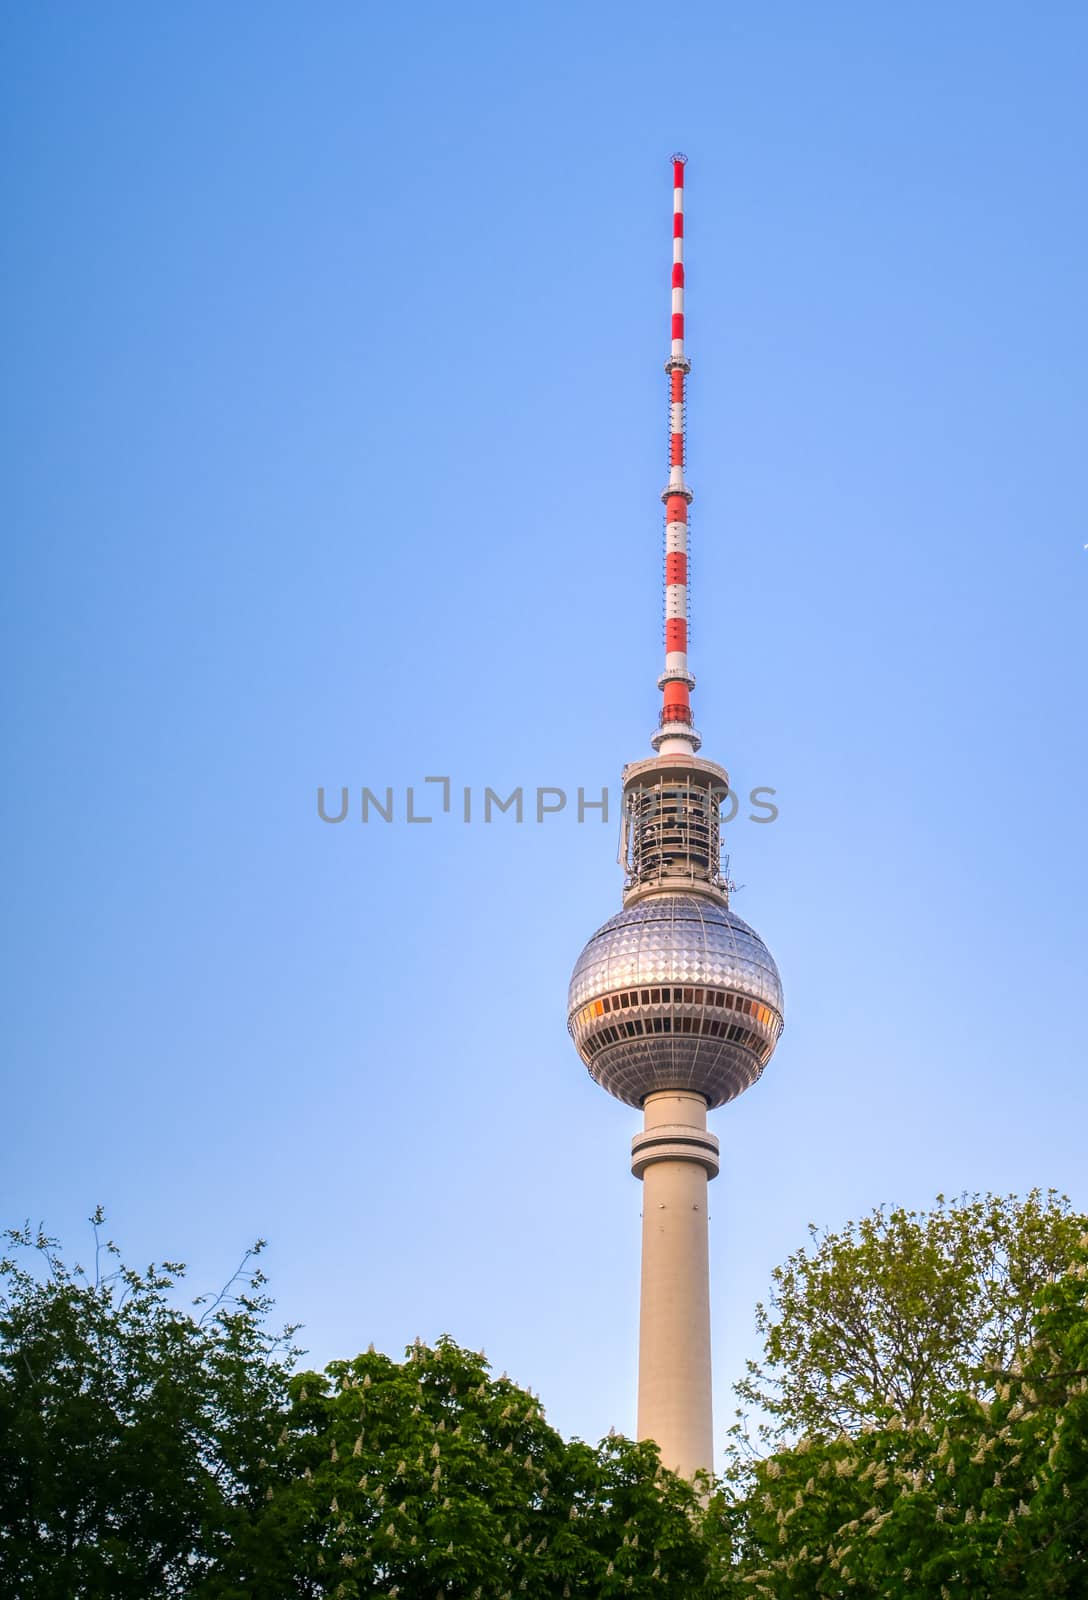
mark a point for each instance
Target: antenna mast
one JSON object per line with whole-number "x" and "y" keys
{"x": 676, "y": 736}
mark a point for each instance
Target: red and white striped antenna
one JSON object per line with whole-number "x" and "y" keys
{"x": 676, "y": 736}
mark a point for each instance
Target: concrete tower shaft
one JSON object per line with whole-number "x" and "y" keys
{"x": 675, "y": 1157}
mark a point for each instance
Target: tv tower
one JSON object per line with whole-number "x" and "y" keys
{"x": 675, "y": 1004}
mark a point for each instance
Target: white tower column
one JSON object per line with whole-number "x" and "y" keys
{"x": 675, "y": 1157}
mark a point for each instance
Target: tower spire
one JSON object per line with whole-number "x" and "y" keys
{"x": 676, "y": 736}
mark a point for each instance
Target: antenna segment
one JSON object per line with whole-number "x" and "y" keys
{"x": 676, "y": 736}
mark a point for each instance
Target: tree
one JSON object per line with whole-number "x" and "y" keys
{"x": 981, "y": 1497}
{"x": 150, "y": 1450}
{"x": 130, "y": 1428}
{"x": 430, "y": 1478}
{"x": 896, "y": 1312}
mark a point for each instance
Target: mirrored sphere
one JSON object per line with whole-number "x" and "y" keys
{"x": 675, "y": 992}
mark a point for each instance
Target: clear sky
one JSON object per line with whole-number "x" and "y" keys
{"x": 334, "y": 432}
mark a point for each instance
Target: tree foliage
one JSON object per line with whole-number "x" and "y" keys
{"x": 130, "y": 1428}
{"x": 979, "y": 1497}
{"x": 149, "y": 1449}
{"x": 431, "y": 1478}
{"x": 898, "y": 1311}
{"x": 938, "y": 1361}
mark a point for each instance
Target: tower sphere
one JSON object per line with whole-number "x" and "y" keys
{"x": 675, "y": 992}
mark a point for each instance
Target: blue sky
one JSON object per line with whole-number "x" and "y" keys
{"x": 334, "y": 431}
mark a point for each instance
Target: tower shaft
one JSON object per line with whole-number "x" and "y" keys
{"x": 675, "y": 1157}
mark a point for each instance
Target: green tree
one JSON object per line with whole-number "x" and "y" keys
{"x": 984, "y": 1499}
{"x": 898, "y": 1311}
{"x": 948, "y": 1453}
{"x": 130, "y": 1428}
{"x": 430, "y": 1478}
{"x": 149, "y": 1449}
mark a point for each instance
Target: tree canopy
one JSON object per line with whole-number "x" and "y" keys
{"x": 130, "y": 1427}
{"x": 890, "y": 1315}
{"x": 927, "y": 1382}
{"x": 152, "y": 1449}
{"x": 429, "y": 1477}
{"x": 976, "y": 1499}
